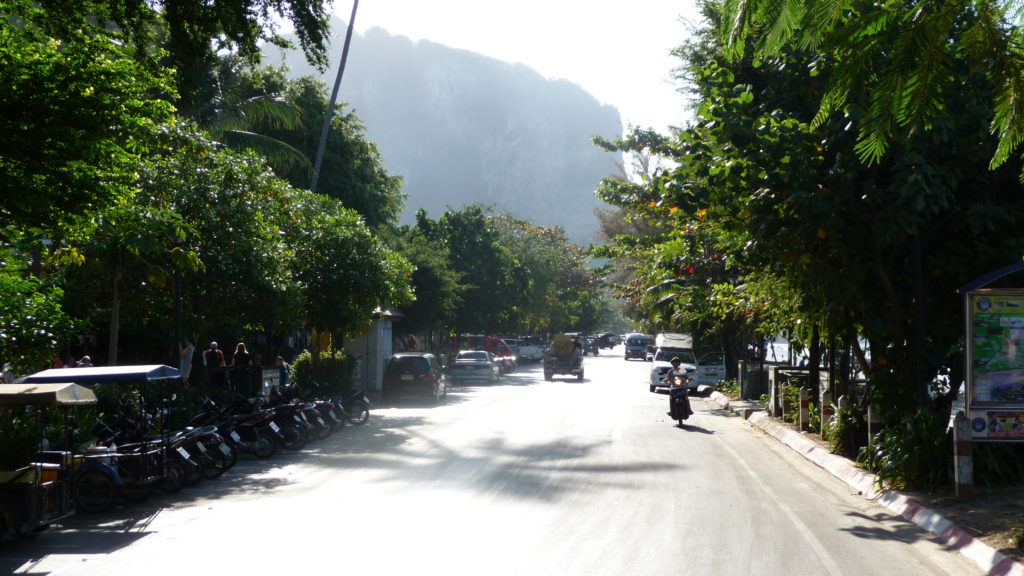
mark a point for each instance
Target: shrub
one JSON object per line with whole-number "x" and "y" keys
{"x": 847, "y": 432}
{"x": 998, "y": 463}
{"x": 333, "y": 369}
{"x": 790, "y": 403}
{"x": 730, "y": 388}
{"x": 915, "y": 454}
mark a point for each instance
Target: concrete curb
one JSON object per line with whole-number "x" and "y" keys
{"x": 987, "y": 558}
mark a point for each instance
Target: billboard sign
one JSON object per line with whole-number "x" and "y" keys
{"x": 995, "y": 375}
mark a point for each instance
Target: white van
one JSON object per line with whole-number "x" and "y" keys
{"x": 708, "y": 369}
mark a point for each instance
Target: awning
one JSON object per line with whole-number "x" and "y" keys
{"x": 60, "y": 394}
{"x": 106, "y": 374}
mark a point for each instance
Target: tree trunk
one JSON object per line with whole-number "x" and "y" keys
{"x": 115, "y": 311}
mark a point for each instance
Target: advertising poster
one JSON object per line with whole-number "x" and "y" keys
{"x": 996, "y": 391}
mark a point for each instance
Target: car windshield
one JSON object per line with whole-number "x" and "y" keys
{"x": 472, "y": 355}
{"x": 667, "y": 355}
{"x": 408, "y": 364}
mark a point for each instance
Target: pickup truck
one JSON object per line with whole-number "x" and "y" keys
{"x": 525, "y": 351}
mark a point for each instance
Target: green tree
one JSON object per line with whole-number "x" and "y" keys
{"x": 353, "y": 170}
{"x": 345, "y": 274}
{"x": 904, "y": 53}
{"x": 128, "y": 247}
{"x": 434, "y": 280}
{"x": 32, "y": 322}
{"x": 495, "y": 286}
{"x": 75, "y": 112}
{"x": 872, "y": 251}
{"x": 564, "y": 295}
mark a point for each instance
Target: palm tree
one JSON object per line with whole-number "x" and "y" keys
{"x": 240, "y": 105}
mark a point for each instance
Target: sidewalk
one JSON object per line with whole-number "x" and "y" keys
{"x": 988, "y": 559}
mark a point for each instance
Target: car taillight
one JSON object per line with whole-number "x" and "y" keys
{"x": 428, "y": 376}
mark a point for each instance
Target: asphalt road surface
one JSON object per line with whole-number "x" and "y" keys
{"x": 522, "y": 477}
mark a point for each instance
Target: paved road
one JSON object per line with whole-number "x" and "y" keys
{"x": 524, "y": 477}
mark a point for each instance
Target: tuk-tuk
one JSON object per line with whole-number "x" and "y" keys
{"x": 563, "y": 356}
{"x": 40, "y": 492}
{"x": 102, "y": 472}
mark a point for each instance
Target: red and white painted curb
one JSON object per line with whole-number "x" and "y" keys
{"x": 988, "y": 559}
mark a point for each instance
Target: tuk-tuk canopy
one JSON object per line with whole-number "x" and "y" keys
{"x": 106, "y": 374}
{"x": 59, "y": 394}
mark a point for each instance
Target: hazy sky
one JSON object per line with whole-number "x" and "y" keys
{"x": 617, "y": 50}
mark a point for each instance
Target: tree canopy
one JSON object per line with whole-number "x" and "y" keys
{"x": 775, "y": 221}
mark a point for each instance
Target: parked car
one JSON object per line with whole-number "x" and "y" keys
{"x": 501, "y": 351}
{"x": 415, "y": 373}
{"x": 475, "y": 365}
{"x": 525, "y": 350}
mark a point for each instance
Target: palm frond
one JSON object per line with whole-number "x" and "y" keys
{"x": 923, "y": 54}
{"x": 281, "y": 155}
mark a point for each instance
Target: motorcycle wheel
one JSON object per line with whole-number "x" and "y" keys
{"x": 194, "y": 471}
{"x": 264, "y": 446}
{"x": 359, "y": 414}
{"x": 174, "y": 477}
{"x": 216, "y": 464}
{"x": 295, "y": 437}
{"x": 232, "y": 455}
{"x": 137, "y": 492}
{"x": 324, "y": 431}
{"x": 94, "y": 491}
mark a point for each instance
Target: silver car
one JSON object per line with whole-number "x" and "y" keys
{"x": 475, "y": 365}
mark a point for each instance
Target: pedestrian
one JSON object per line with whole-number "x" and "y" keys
{"x": 241, "y": 357}
{"x": 185, "y": 351}
{"x": 213, "y": 357}
{"x": 85, "y": 362}
{"x": 284, "y": 368}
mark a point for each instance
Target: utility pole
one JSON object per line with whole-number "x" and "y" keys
{"x": 334, "y": 99}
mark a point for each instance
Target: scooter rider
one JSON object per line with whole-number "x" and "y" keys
{"x": 678, "y": 401}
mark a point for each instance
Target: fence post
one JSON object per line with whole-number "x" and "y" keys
{"x": 741, "y": 377}
{"x": 963, "y": 457}
{"x": 805, "y": 409}
{"x": 826, "y": 411}
{"x": 874, "y": 423}
{"x": 774, "y": 399}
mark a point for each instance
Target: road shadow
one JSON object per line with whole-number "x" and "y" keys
{"x": 688, "y": 427}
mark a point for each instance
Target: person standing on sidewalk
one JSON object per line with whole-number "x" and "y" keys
{"x": 185, "y": 351}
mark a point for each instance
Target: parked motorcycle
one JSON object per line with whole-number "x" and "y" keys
{"x": 254, "y": 432}
{"x": 356, "y": 407}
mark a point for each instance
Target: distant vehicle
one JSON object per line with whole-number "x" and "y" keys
{"x": 525, "y": 350}
{"x": 704, "y": 370}
{"x": 563, "y": 357}
{"x": 590, "y": 345}
{"x": 662, "y": 364}
{"x": 503, "y": 354}
{"x": 636, "y": 346}
{"x": 475, "y": 365}
{"x": 607, "y": 340}
{"x": 416, "y": 373}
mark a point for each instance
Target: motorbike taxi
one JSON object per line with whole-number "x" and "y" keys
{"x": 37, "y": 490}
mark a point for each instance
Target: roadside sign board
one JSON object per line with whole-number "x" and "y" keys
{"x": 995, "y": 375}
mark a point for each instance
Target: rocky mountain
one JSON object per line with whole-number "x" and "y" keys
{"x": 462, "y": 128}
